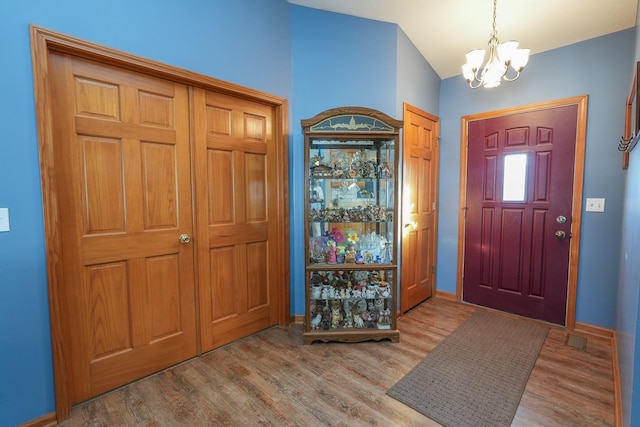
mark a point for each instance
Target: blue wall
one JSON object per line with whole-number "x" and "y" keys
{"x": 317, "y": 60}
{"x": 627, "y": 322}
{"x": 341, "y": 60}
{"x": 336, "y": 60}
{"x": 599, "y": 68}
{"x": 629, "y": 284}
{"x": 417, "y": 83}
{"x": 200, "y": 35}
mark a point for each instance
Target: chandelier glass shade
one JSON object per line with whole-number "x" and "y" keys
{"x": 502, "y": 58}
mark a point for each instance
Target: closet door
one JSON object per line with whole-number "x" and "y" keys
{"x": 236, "y": 204}
{"x": 121, "y": 151}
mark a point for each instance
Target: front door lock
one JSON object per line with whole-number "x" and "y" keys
{"x": 561, "y": 219}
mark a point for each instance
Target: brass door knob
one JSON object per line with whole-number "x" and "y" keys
{"x": 184, "y": 239}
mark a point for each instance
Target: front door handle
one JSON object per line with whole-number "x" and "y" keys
{"x": 184, "y": 239}
{"x": 561, "y": 234}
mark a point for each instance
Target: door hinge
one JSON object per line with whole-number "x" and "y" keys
{"x": 433, "y": 206}
{"x": 433, "y": 269}
{"x": 437, "y": 141}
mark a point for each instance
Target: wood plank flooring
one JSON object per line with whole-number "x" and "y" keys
{"x": 271, "y": 379}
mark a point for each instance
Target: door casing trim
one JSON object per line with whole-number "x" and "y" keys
{"x": 576, "y": 204}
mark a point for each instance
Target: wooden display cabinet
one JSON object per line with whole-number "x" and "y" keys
{"x": 351, "y": 227}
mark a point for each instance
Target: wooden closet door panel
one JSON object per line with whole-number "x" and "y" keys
{"x": 123, "y": 177}
{"x": 235, "y": 175}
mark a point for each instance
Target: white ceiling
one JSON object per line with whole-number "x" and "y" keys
{"x": 444, "y": 30}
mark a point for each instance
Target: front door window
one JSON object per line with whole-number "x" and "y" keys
{"x": 515, "y": 177}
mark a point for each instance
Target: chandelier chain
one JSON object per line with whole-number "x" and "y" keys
{"x": 494, "y": 33}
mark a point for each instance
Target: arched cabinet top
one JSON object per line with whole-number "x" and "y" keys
{"x": 352, "y": 120}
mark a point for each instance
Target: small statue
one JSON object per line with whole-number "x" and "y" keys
{"x": 378, "y": 305}
{"x": 347, "y": 309}
{"x": 384, "y": 322}
{"x": 331, "y": 252}
{"x": 336, "y": 317}
{"x": 350, "y": 255}
{"x": 358, "y": 322}
{"x": 315, "y": 322}
{"x": 349, "y": 322}
{"x": 384, "y": 171}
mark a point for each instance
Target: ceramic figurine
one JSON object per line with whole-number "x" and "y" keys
{"x": 384, "y": 321}
{"x": 350, "y": 255}
{"x": 315, "y": 322}
{"x": 331, "y": 252}
{"x": 336, "y": 317}
{"x": 349, "y": 322}
{"x": 358, "y": 322}
{"x": 316, "y": 289}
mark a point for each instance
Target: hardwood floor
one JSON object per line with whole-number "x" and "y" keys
{"x": 271, "y": 379}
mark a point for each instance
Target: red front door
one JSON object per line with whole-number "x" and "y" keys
{"x": 519, "y": 194}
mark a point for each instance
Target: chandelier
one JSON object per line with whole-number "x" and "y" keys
{"x": 502, "y": 58}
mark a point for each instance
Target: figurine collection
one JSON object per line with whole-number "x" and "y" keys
{"x": 350, "y": 220}
{"x": 369, "y": 213}
{"x": 349, "y": 299}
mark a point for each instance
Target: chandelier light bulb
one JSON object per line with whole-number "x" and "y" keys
{"x": 520, "y": 59}
{"x": 506, "y": 50}
{"x": 475, "y": 58}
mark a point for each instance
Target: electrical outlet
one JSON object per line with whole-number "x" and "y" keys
{"x": 595, "y": 205}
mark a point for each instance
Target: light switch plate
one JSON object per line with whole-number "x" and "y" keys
{"x": 595, "y": 205}
{"x": 4, "y": 219}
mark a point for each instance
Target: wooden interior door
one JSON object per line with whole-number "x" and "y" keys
{"x": 121, "y": 151}
{"x": 420, "y": 161}
{"x": 517, "y": 241}
{"x": 235, "y": 169}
